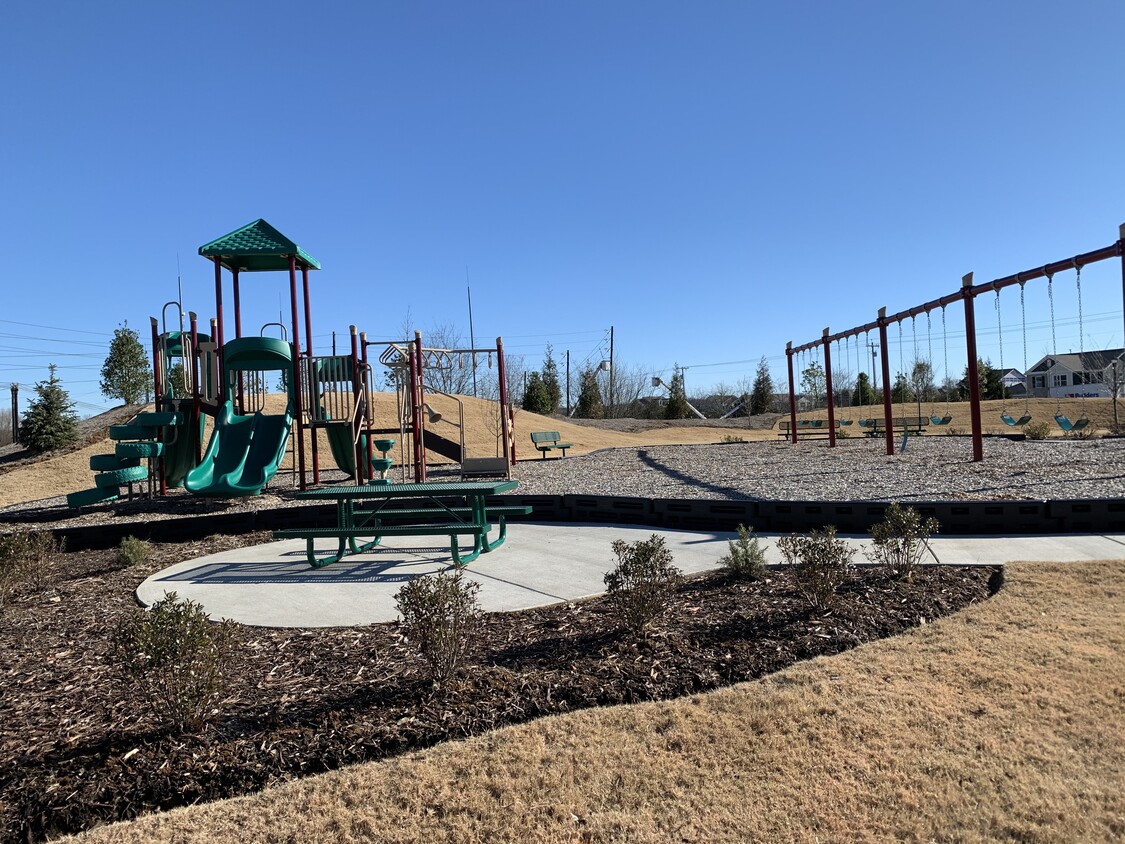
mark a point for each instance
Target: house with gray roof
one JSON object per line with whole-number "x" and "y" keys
{"x": 1079, "y": 374}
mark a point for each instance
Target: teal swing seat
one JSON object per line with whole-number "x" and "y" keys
{"x": 940, "y": 420}
{"x": 1016, "y": 423}
{"x": 845, "y": 421}
{"x": 1067, "y": 425}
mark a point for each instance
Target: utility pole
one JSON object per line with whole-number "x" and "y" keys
{"x": 568, "y": 383}
{"x": 609, "y": 407}
{"x": 472, "y": 338}
{"x": 15, "y": 412}
{"x": 874, "y": 347}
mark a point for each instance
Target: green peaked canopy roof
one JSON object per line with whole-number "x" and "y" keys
{"x": 257, "y": 247}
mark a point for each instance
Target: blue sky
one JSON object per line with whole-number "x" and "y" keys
{"x": 711, "y": 179}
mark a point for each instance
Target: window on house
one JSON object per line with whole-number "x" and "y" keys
{"x": 1038, "y": 382}
{"x": 1059, "y": 380}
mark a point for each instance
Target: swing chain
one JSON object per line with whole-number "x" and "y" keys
{"x": 999, "y": 329}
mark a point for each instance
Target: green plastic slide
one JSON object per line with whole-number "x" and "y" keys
{"x": 243, "y": 454}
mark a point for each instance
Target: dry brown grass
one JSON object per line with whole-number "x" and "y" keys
{"x": 1001, "y": 723}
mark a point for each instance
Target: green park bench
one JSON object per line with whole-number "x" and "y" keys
{"x": 548, "y": 440}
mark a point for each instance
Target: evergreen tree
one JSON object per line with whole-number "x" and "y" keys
{"x": 50, "y": 421}
{"x": 176, "y": 386}
{"x": 536, "y": 398}
{"x": 901, "y": 392}
{"x": 677, "y": 407}
{"x": 550, "y": 376}
{"x": 864, "y": 393}
{"x": 761, "y": 395}
{"x": 589, "y": 396}
{"x": 125, "y": 373}
{"x": 989, "y": 380}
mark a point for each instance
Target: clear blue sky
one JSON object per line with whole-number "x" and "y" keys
{"x": 712, "y": 179}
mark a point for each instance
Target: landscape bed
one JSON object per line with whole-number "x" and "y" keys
{"x": 79, "y": 748}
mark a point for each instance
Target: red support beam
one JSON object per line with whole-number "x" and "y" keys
{"x": 828, "y": 390}
{"x": 158, "y": 388}
{"x": 361, "y": 465}
{"x": 196, "y": 395}
{"x": 505, "y": 417}
{"x": 888, "y": 414}
{"x": 241, "y": 403}
{"x": 969, "y": 292}
{"x": 792, "y": 395}
{"x": 309, "y": 356}
{"x": 298, "y": 409}
{"x": 419, "y": 421}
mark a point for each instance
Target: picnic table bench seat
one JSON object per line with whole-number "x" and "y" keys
{"x": 546, "y": 441}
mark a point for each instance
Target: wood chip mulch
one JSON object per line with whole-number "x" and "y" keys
{"x": 79, "y": 748}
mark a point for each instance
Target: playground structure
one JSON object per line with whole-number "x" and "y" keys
{"x": 196, "y": 375}
{"x": 967, "y": 295}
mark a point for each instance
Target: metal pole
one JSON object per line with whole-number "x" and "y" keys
{"x": 792, "y": 394}
{"x": 368, "y": 402}
{"x": 361, "y": 465}
{"x": 973, "y": 370}
{"x": 611, "y": 385}
{"x": 309, "y": 357}
{"x": 237, "y": 334}
{"x": 218, "y": 338}
{"x": 15, "y": 412}
{"x": 888, "y": 415}
{"x": 505, "y": 414}
{"x": 472, "y": 336}
{"x": 828, "y": 388}
{"x": 568, "y": 383}
{"x": 158, "y": 390}
{"x": 196, "y": 395}
{"x": 419, "y": 422}
{"x": 1121, "y": 252}
{"x": 298, "y": 399}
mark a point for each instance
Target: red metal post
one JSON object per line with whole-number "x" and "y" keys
{"x": 158, "y": 392}
{"x": 1121, "y": 252}
{"x": 792, "y": 394}
{"x": 412, "y": 373}
{"x": 828, "y": 389}
{"x": 196, "y": 396}
{"x": 218, "y": 338}
{"x": 419, "y": 417}
{"x": 298, "y": 410}
{"x": 238, "y": 333}
{"x": 888, "y": 415}
{"x": 361, "y": 465}
{"x": 973, "y": 370}
{"x": 505, "y": 420}
{"x": 369, "y": 401}
{"x": 309, "y": 357}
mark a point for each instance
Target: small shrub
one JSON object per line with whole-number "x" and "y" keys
{"x": 440, "y": 615}
{"x": 1037, "y": 430}
{"x": 900, "y": 540}
{"x": 1086, "y": 433}
{"x": 133, "y": 551}
{"x": 176, "y": 656}
{"x": 819, "y": 564}
{"x": 730, "y": 438}
{"x": 642, "y": 583}
{"x": 23, "y": 562}
{"x": 747, "y": 559}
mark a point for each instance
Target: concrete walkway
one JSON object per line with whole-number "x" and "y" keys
{"x": 273, "y": 585}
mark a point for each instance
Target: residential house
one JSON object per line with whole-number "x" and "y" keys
{"x": 1013, "y": 381}
{"x": 1078, "y": 374}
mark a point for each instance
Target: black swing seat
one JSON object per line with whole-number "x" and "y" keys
{"x": 1067, "y": 425}
{"x": 1016, "y": 423}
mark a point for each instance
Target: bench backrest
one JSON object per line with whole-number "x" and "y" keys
{"x": 544, "y": 436}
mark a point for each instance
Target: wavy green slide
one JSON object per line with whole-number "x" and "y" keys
{"x": 243, "y": 454}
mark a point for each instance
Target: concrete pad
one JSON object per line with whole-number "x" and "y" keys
{"x": 273, "y": 585}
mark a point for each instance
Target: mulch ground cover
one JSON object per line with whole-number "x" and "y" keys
{"x": 80, "y": 747}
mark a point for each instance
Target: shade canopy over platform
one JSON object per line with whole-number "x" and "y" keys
{"x": 257, "y": 247}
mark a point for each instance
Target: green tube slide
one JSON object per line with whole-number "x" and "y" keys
{"x": 243, "y": 454}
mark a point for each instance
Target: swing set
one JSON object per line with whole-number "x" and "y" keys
{"x": 967, "y": 295}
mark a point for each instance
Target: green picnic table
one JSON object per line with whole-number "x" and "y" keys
{"x": 468, "y": 515}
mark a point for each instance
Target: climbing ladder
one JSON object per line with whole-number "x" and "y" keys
{"x": 139, "y": 440}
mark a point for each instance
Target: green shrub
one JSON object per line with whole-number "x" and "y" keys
{"x": 1037, "y": 430}
{"x": 900, "y": 540}
{"x": 23, "y": 562}
{"x": 747, "y": 559}
{"x": 440, "y": 615}
{"x": 176, "y": 657}
{"x": 642, "y": 583}
{"x": 819, "y": 564}
{"x": 133, "y": 551}
{"x": 728, "y": 438}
